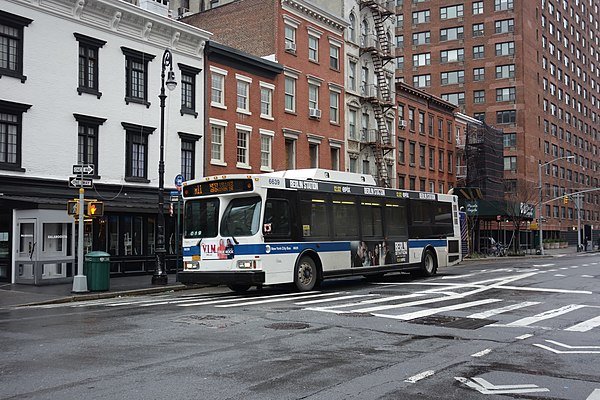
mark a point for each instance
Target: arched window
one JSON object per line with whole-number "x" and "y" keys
{"x": 352, "y": 28}
{"x": 364, "y": 30}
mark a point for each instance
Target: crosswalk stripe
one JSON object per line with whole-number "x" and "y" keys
{"x": 545, "y": 315}
{"x": 496, "y": 311}
{"x": 270, "y": 299}
{"x": 334, "y": 308}
{"x": 188, "y": 300}
{"x": 433, "y": 311}
{"x": 229, "y": 300}
{"x": 585, "y": 325}
{"x": 409, "y": 304}
{"x": 354, "y": 296}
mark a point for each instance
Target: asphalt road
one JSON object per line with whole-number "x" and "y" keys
{"x": 507, "y": 328}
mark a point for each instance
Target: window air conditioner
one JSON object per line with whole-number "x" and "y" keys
{"x": 314, "y": 113}
{"x": 290, "y": 46}
{"x": 181, "y": 11}
{"x": 402, "y": 124}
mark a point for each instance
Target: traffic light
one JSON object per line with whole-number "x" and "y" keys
{"x": 95, "y": 209}
{"x": 566, "y": 199}
{"x": 73, "y": 207}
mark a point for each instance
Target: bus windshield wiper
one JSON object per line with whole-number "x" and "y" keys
{"x": 229, "y": 231}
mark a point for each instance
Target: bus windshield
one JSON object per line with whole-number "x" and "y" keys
{"x": 242, "y": 217}
{"x": 201, "y": 218}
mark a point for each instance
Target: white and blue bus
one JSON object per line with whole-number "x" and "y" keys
{"x": 302, "y": 226}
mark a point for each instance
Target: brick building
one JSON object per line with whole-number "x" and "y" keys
{"x": 309, "y": 43}
{"x": 529, "y": 68}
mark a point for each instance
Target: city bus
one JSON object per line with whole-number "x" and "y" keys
{"x": 302, "y": 226}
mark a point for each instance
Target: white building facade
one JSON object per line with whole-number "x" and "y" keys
{"x": 79, "y": 85}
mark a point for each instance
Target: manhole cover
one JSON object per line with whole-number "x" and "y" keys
{"x": 288, "y": 325}
{"x": 453, "y": 322}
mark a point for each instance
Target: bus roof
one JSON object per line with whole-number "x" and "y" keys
{"x": 325, "y": 175}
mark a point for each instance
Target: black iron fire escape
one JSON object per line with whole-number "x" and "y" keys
{"x": 381, "y": 98}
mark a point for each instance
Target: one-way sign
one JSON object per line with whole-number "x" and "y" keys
{"x": 77, "y": 182}
{"x": 85, "y": 169}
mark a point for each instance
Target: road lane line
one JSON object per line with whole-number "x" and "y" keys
{"x": 585, "y": 325}
{"x": 545, "y": 315}
{"x": 496, "y": 311}
{"x": 482, "y": 353}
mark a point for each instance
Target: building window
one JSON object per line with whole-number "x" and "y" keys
{"x": 411, "y": 183}
{"x": 452, "y": 33}
{"x": 290, "y": 38}
{"x": 422, "y": 184}
{"x": 136, "y": 76}
{"x": 431, "y": 158}
{"x": 11, "y": 45}
{"x": 510, "y": 140}
{"x": 441, "y": 160}
{"x": 266, "y": 152}
{"x": 401, "y": 144}
{"x": 478, "y": 74}
{"x": 421, "y": 122}
{"x": 477, "y": 7}
{"x": 452, "y": 77}
{"x": 290, "y": 153}
{"x": 334, "y": 57}
{"x": 188, "y": 155}
{"x": 136, "y": 152}
{"x": 313, "y": 96}
{"x": 188, "y": 89}
{"x": 479, "y": 96}
{"x": 411, "y": 119}
{"x": 454, "y": 98}
{"x": 500, "y": 5}
{"x": 87, "y": 141}
{"x": 401, "y": 182}
{"x": 266, "y": 100}
{"x": 477, "y": 30}
{"x": 505, "y": 26}
{"x": 243, "y": 95}
{"x": 243, "y": 147}
{"x": 335, "y": 158}
{"x": 421, "y": 38}
{"x": 217, "y": 87}
{"x": 313, "y": 48}
{"x": 478, "y": 52}
{"x": 510, "y": 164}
{"x": 506, "y": 94}
{"x": 352, "y": 75}
{"x": 421, "y": 59}
{"x": 505, "y": 71}
{"x": 447, "y": 56}
{"x": 421, "y": 81}
{"x": 88, "y": 64}
{"x": 11, "y": 134}
{"x": 411, "y": 153}
{"x": 334, "y": 107}
{"x": 480, "y": 116}
{"x": 506, "y": 117}
{"x": 313, "y": 151}
{"x": 419, "y": 17}
{"x": 505, "y": 49}
{"x": 450, "y": 162}
{"x": 290, "y": 94}
{"x": 352, "y": 130}
{"x": 451, "y": 12}
{"x": 352, "y": 28}
{"x": 217, "y": 137}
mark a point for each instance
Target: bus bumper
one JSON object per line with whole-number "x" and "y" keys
{"x": 223, "y": 278}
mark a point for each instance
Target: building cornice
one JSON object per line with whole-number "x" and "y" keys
{"x": 315, "y": 13}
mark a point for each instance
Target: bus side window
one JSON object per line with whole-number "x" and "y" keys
{"x": 277, "y": 218}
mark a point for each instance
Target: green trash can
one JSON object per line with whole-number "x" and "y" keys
{"x": 96, "y": 266}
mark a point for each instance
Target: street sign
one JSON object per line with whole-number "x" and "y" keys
{"x": 179, "y": 180}
{"x": 77, "y": 182}
{"x": 85, "y": 169}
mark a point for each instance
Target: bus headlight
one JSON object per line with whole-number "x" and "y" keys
{"x": 246, "y": 264}
{"x": 191, "y": 265}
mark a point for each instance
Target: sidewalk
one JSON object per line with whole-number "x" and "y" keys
{"x": 18, "y": 295}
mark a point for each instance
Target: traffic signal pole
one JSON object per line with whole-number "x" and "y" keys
{"x": 80, "y": 280}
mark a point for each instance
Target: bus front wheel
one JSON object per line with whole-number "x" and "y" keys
{"x": 306, "y": 274}
{"x": 428, "y": 264}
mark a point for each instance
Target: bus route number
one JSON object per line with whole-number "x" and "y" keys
{"x": 341, "y": 189}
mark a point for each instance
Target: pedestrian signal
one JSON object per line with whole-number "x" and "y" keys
{"x": 72, "y": 207}
{"x": 95, "y": 209}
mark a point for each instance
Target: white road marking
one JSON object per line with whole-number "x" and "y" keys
{"x": 595, "y": 395}
{"x": 270, "y": 299}
{"x": 559, "y": 275}
{"x": 301, "y": 303}
{"x": 433, "y": 311}
{"x": 229, "y": 300}
{"x": 482, "y": 353}
{"x": 418, "y": 377}
{"x": 586, "y": 276}
{"x": 484, "y": 387}
{"x": 334, "y": 309}
{"x": 525, "y": 336}
{"x": 585, "y": 325}
{"x": 543, "y": 265}
{"x": 534, "y": 289}
{"x": 572, "y": 349}
{"x": 546, "y": 315}
{"x": 496, "y": 311}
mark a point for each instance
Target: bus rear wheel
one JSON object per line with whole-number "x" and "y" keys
{"x": 239, "y": 288}
{"x": 306, "y": 274}
{"x": 428, "y": 264}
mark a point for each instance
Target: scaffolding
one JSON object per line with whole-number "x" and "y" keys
{"x": 485, "y": 161}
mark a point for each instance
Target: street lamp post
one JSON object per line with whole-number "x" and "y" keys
{"x": 540, "y": 217}
{"x": 160, "y": 274}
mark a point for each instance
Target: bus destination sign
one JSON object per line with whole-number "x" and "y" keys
{"x": 218, "y": 187}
